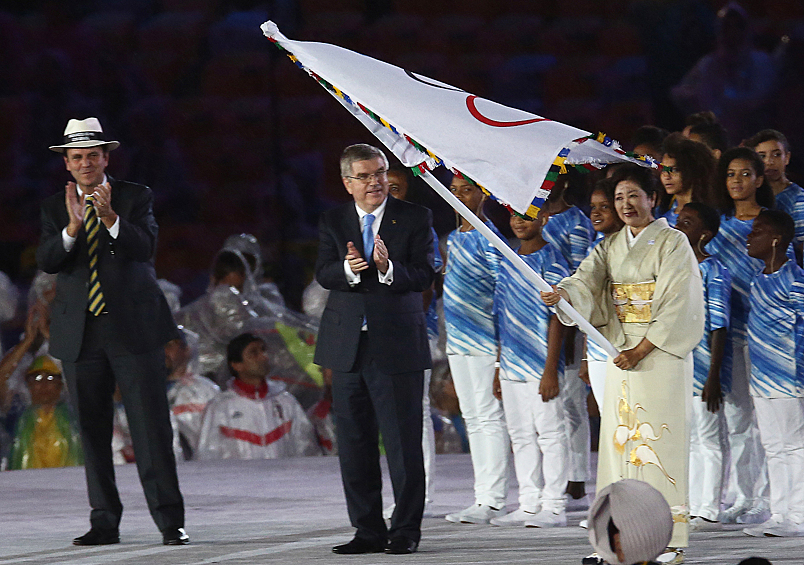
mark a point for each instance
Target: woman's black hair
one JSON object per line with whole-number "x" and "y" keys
{"x": 644, "y": 177}
{"x": 696, "y": 165}
{"x": 764, "y": 194}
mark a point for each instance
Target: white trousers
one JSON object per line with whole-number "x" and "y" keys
{"x": 428, "y": 439}
{"x": 575, "y": 394}
{"x": 706, "y": 461}
{"x": 539, "y": 441}
{"x": 747, "y": 474}
{"x": 781, "y": 427}
{"x": 485, "y": 425}
{"x": 597, "y": 378}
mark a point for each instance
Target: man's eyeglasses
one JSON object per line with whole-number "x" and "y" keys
{"x": 366, "y": 177}
{"x": 40, "y": 378}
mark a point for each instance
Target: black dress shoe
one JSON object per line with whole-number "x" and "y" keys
{"x": 401, "y": 546}
{"x": 359, "y": 545}
{"x": 175, "y": 536}
{"x": 96, "y": 536}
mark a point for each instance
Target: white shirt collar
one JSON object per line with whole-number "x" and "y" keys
{"x": 378, "y": 214}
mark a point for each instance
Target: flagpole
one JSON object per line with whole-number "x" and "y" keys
{"x": 514, "y": 257}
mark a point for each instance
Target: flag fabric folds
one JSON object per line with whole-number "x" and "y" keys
{"x": 513, "y": 155}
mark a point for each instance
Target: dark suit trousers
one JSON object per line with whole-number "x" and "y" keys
{"x": 365, "y": 402}
{"x": 141, "y": 378}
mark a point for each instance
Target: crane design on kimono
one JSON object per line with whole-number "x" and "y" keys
{"x": 631, "y": 429}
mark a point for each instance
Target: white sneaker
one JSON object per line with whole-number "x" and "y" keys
{"x": 476, "y": 514}
{"x": 785, "y": 529}
{"x": 456, "y": 516}
{"x": 584, "y": 524}
{"x": 699, "y": 524}
{"x": 671, "y": 556}
{"x": 730, "y": 515}
{"x": 547, "y": 519}
{"x": 773, "y": 524}
{"x": 755, "y": 515}
{"x": 515, "y": 518}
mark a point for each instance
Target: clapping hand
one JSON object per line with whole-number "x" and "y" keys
{"x": 74, "y": 209}
{"x": 355, "y": 259}
{"x": 380, "y": 254}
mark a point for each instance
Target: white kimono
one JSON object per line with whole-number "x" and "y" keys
{"x": 650, "y": 288}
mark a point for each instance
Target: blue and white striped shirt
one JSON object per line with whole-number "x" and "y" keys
{"x": 469, "y": 279}
{"x": 717, "y": 305}
{"x": 571, "y": 233}
{"x": 593, "y": 351}
{"x": 773, "y": 327}
{"x": 521, "y": 317}
{"x": 729, "y": 246}
{"x": 672, "y": 214}
{"x": 791, "y": 200}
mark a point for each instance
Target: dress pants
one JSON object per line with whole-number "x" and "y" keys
{"x": 706, "y": 461}
{"x": 781, "y": 426}
{"x": 428, "y": 439}
{"x": 473, "y": 377}
{"x": 575, "y": 394}
{"x": 367, "y": 402}
{"x": 101, "y": 364}
{"x": 747, "y": 474}
{"x": 539, "y": 442}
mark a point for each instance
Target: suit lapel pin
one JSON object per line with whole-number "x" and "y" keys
{"x": 393, "y": 221}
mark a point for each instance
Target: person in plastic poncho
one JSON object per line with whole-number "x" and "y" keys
{"x": 188, "y": 392}
{"x": 641, "y": 287}
{"x": 256, "y": 418}
{"x": 45, "y": 434}
{"x": 233, "y": 305}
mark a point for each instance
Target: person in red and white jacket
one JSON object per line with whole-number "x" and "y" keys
{"x": 256, "y": 418}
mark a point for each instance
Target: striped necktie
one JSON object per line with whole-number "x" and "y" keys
{"x": 96, "y": 302}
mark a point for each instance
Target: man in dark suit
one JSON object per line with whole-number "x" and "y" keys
{"x": 376, "y": 257}
{"x": 109, "y": 324}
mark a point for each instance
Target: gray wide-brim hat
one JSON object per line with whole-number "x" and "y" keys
{"x": 639, "y": 512}
{"x": 84, "y": 133}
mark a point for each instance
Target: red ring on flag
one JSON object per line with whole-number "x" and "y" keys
{"x": 470, "y": 104}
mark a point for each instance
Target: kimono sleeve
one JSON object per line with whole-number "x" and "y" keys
{"x": 677, "y": 311}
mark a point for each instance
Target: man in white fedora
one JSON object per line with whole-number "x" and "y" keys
{"x": 109, "y": 324}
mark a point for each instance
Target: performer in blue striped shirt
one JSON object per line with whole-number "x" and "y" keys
{"x": 712, "y": 370}
{"x": 774, "y": 149}
{"x": 774, "y": 326}
{"x": 605, "y": 221}
{"x": 531, "y": 367}
{"x": 741, "y": 188}
{"x": 469, "y": 278}
{"x": 686, "y": 174}
{"x": 571, "y": 233}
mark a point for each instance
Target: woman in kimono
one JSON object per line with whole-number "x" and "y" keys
{"x": 642, "y": 289}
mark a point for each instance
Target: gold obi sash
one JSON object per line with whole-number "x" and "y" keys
{"x": 632, "y": 301}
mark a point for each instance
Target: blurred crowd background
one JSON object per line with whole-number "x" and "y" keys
{"x": 233, "y": 138}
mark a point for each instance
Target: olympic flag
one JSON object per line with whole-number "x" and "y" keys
{"x": 513, "y": 155}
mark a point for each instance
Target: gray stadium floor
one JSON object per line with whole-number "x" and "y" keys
{"x": 292, "y": 511}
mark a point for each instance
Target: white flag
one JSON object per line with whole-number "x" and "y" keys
{"x": 512, "y": 154}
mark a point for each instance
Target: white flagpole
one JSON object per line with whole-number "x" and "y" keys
{"x": 512, "y": 256}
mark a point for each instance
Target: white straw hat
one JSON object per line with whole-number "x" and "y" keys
{"x": 84, "y": 133}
